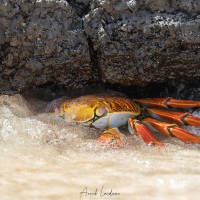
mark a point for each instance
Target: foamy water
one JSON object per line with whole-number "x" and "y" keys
{"x": 43, "y": 157}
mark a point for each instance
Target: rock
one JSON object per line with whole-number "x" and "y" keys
{"x": 140, "y": 42}
{"x": 42, "y": 42}
{"x": 76, "y": 43}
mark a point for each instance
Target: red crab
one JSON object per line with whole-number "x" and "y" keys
{"x": 143, "y": 116}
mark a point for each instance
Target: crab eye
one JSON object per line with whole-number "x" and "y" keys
{"x": 57, "y": 110}
{"x": 101, "y": 110}
{"x": 60, "y": 111}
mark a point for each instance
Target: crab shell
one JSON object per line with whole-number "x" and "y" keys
{"x": 102, "y": 111}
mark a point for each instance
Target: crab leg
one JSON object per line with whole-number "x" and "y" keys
{"x": 137, "y": 127}
{"x": 178, "y": 117}
{"x": 169, "y": 102}
{"x": 112, "y": 137}
{"x": 171, "y": 130}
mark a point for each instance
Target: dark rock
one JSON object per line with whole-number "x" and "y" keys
{"x": 140, "y": 42}
{"x": 42, "y": 42}
{"x": 82, "y": 42}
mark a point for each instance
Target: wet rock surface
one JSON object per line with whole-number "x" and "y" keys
{"x": 78, "y": 43}
{"x": 40, "y": 151}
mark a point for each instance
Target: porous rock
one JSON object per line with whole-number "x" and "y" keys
{"x": 41, "y": 42}
{"x": 76, "y": 43}
{"x": 140, "y": 42}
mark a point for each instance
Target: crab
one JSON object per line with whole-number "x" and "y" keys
{"x": 143, "y": 116}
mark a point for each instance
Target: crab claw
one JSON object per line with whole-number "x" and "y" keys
{"x": 137, "y": 127}
{"x": 112, "y": 138}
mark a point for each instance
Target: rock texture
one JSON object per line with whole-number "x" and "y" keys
{"x": 78, "y": 42}
{"x": 42, "y": 42}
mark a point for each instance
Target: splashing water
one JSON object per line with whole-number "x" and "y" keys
{"x": 43, "y": 157}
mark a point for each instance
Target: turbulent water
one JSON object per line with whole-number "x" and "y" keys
{"x": 43, "y": 157}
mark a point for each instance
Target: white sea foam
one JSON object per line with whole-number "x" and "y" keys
{"x": 43, "y": 157}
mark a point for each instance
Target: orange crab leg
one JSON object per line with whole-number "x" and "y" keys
{"x": 112, "y": 137}
{"x": 169, "y": 102}
{"x": 137, "y": 127}
{"x": 172, "y": 130}
{"x": 178, "y": 117}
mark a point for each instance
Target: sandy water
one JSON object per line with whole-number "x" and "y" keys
{"x": 42, "y": 157}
